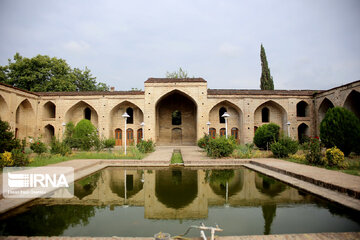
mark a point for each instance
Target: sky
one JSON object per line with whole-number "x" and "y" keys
{"x": 309, "y": 44}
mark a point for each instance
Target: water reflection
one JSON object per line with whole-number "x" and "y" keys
{"x": 176, "y": 188}
{"x": 164, "y": 195}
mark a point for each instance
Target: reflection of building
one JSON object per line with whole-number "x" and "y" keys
{"x": 175, "y": 111}
{"x": 180, "y": 193}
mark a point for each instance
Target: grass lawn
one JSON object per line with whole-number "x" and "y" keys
{"x": 46, "y": 159}
{"x": 353, "y": 161}
{"x": 176, "y": 158}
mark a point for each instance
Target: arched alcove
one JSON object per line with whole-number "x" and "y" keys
{"x": 165, "y": 108}
{"x": 325, "y": 105}
{"x": 49, "y": 133}
{"x": 82, "y": 110}
{"x": 302, "y": 109}
{"x": 25, "y": 120}
{"x": 276, "y": 114}
{"x": 49, "y": 110}
{"x": 4, "y": 109}
{"x": 234, "y": 121}
{"x": 303, "y": 132}
{"x": 352, "y": 102}
{"x": 116, "y": 121}
{"x": 176, "y": 188}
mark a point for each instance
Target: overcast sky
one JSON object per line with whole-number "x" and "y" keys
{"x": 309, "y": 44}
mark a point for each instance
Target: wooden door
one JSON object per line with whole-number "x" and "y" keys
{"x": 235, "y": 134}
{"x": 129, "y": 136}
{"x": 118, "y": 137}
{"x": 222, "y": 132}
{"x": 212, "y": 132}
{"x": 139, "y": 135}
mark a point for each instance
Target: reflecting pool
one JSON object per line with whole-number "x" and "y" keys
{"x": 141, "y": 202}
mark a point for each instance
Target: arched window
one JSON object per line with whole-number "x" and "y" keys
{"x": 176, "y": 118}
{"x": 221, "y": 112}
{"x": 265, "y": 114}
{"x": 302, "y": 109}
{"x": 130, "y": 111}
{"x": 87, "y": 113}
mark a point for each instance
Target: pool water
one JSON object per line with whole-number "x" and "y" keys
{"x": 142, "y": 202}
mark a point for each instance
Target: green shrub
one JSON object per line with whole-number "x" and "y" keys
{"x": 68, "y": 135}
{"x": 146, "y": 146}
{"x": 313, "y": 155}
{"x": 340, "y": 128}
{"x": 19, "y": 157}
{"x": 220, "y": 147}
{"x": 38, "y": 147}
{"x": 266, "y": 134}
{"x": 335, "y": 157}
{"x": 243, "y": 151}
{"x": 6, "y": 160}
{"x": 109, "y": 143}
{"x": 7, "y": 140}
{"x": 58, "y": 147}
{"x": 204, "y": 141}
{"x": 284, "y": 147}
{"x": 84, "y": 136}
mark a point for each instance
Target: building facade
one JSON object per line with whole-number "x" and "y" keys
{"x": 174, "y": 111}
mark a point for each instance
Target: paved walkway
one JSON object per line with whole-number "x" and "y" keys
{"x": 306, "y": 236}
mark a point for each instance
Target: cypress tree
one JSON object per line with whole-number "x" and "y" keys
{"x": 266, "y": 80}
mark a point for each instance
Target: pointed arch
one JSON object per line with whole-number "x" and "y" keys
{"x": 166, "y": 105}
{"x": 77, "y": 113}
{"x": 25, "y": 119}
{"x": 49, "y": 133}
{"x": 352, "y": 102}
{"x": 303, "y": 132}
{"x": 302, "y": 109}
{"x": 4, "y": 109}
{"x": 117, "y": 121}
{"x": 234, "y": 121}
{"x": 49, "y": 110}
{"x": 276, "y": 114}
{"x": 325, "y": 105}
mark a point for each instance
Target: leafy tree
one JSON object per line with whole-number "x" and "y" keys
{"x": 85, "y": 135}
{"x": 177, "y": 74}
{"x": 340, "y": 128}
{"x": 7, "y": 140}
{"x": 266, "y": 80}
{"x": 42, "y": 74}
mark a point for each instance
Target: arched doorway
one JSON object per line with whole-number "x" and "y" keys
{"x": 302, "y": 109}
{"x": 222, "y": 132}
{"x": 235, "y": 134}
{"x": 212, "y": 132}
{"x": 139, "y": 135}
{"x": 352, "y": 103}
{"x": 49, "y": 133}
{"x": 176, "y": 115}
{"x": 129, "y": 136}
{"x": 303, "y": 132}
{"x": 118, "y": 137}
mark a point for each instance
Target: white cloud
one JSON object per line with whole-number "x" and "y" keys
{"x": 77, "y": 46}
{"x": 229, "y": 50}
